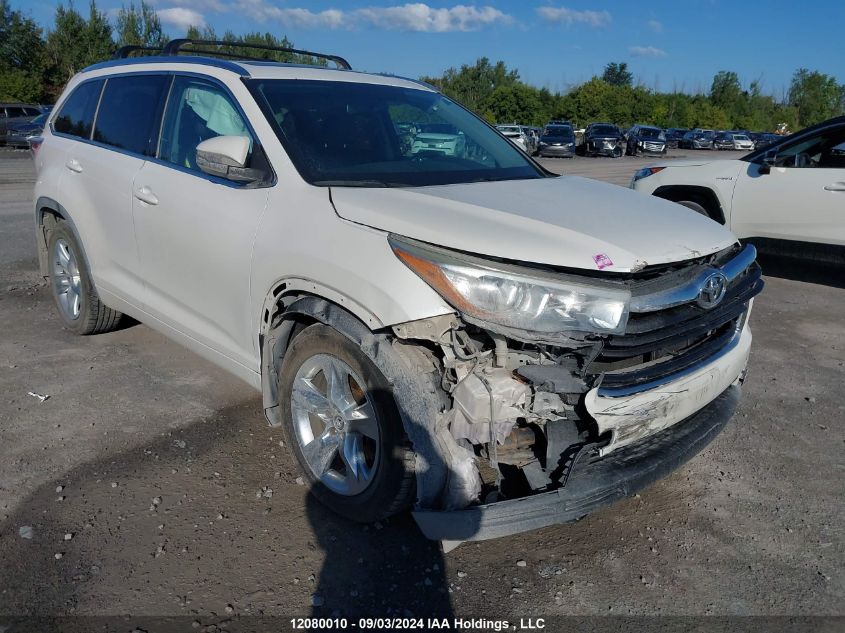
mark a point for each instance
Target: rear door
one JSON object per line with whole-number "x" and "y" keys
{"x": 97, "y": 187}
{"x": 196, "y": 232}
{"x": 803, "y": 196}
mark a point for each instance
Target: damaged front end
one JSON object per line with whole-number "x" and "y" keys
{"x": 562, "y": 392}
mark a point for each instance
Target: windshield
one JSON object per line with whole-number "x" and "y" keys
{"x": 40, "y": 119}
{"x": 558, "y": 131}
{"x": 340, "y": 133}
{"x": 741, "y": 137}
{"x": 651, "y": 132}
{"x": 604, "y": 130}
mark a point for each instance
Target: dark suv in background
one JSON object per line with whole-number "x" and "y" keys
{"x": 645, "y": 139}
{"x": 557, "y": 141}
{"x": 15, "y": 113}
{"x": 674, "y": 135}
{"x": 602, "y": 139}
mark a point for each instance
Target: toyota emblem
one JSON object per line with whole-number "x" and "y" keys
{"x": 712, "y": 291}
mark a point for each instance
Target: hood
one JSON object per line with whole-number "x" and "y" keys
{"x": 566, "y": 221}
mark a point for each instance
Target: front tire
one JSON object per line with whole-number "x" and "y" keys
{"x": 76, "y": 298}
{"x": 344, "y": 428}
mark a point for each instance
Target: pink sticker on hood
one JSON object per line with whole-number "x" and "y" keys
{"x": 602, "y": 261}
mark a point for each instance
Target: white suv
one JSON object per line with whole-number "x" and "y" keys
{"x": 790, "y": 195}
{"x": 468, "y": 335}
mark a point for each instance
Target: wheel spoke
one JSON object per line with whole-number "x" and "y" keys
{"x": 306, "y": 395}
{"x": 64, "y": 255}
{"x": 320, "y": 452}
{"x": 362, "y": 419}
{"x": 337, "y": 384}
{"x": 353, "y": 458}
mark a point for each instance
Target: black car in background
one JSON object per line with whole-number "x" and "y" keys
{"x": 674, "y": 135}
{"x": 645, "y": 139}
{"x": 602, "y": 139}
{"x": 19, "y": 133}
{"x": 763, "y": 139}
{"x": 16, "y": 113}
{"x": 723, "y": 140}
{"x": 557, "y": 141}
{"x": 697, "y": 139}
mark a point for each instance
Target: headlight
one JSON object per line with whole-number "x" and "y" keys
{"x": 645, "y": 172}
{"x": 514, "y": 296}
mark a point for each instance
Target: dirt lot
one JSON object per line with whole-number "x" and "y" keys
{"x": 136, "y": 487}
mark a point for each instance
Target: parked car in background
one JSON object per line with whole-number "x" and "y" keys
{"x": 488, "y": 344}
{"x": 557, "y": 141}
{"x": 645, "y": 139}
{"x": 697, "y": 140}
{"x": 674, "y": 135}
{"x": 764, "y": 139}
{"x": 15, "y": 113}
{"x": 18, "y": 134}
{"x": 515, "y": 135}
{"x": 786, "y": 195}
{"x": 723, "y": 140}
{"x": 742, "y": 142}
{"x": 531, "y": 137}
{"x": 602, "y": 139}
{"x": 439, "y": 138}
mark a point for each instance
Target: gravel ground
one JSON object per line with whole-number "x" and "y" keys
{"x": 149, "y": 484}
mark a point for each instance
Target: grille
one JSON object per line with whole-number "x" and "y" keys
{"x": 657, "y": 344}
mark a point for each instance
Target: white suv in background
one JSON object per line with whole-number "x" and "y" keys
{"x": 461, "y": 333}
{"x": 790, "y": 195}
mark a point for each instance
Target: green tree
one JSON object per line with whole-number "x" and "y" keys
{"x": 75, "y": 42}
{"x": 617, "y": 74}
{"x": 474, "y": 85}
{"x": 21, "y": 56}
{"x": 816, "y": 96}
{"x": 139, "y": 26}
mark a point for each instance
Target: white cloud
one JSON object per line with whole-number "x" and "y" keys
{"x": 655, "y": 25}
{"x": 219, "y": 6}
{"x": 646, "y": 51}
{"x": 181, "y": 17}
{"x": 407, "y": 17}
{"x": 563, "y": 15}
{"x": 423, "y": 18}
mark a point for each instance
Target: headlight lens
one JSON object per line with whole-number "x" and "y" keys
{"x": 645, "y": 172}
{"x": 513, "y": 297}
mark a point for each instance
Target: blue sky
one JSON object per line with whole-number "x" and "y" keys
{"x": 668, "y": 44}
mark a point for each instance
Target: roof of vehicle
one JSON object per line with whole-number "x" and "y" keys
{"x": 256, "y": 70}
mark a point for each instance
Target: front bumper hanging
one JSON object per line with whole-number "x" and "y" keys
{"x": 593, "y": 484}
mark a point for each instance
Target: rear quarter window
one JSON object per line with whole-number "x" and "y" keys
{"x": 76, "y": 116}
{"x": 130, "y": 112}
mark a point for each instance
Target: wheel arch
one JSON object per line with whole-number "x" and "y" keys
{"x": 47, "y": 213}
{"x": 705, "y": 196}
{"x": 406, "y": 366}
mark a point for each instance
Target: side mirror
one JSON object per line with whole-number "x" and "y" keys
{"x": 769, "y": 160}
{"x": 225, "y": 157}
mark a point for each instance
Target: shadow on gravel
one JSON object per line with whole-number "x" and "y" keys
{"x": 797, "y": 269}
{"x": 208, "y": 523}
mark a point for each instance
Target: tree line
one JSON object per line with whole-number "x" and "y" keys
{"x": 35, "y": 65}
{"x": 498, "y": 94}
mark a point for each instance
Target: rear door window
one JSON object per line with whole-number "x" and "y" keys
{"x": 76, "y": 116}
{"x": 130, "y": 112}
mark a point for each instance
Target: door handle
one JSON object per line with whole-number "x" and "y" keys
{"x": 74, "y": 165}
{"x": 145, "y": 194}
{"x": 836, "y": 186}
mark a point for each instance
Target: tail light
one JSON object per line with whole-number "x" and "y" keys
{"x": 35, "y": 144}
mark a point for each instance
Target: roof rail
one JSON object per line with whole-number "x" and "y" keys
{"x": 125, "y": 51}
{"x": 174, "y": 47}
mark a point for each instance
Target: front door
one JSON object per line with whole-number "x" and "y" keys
{"x": 195, "y": 232}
